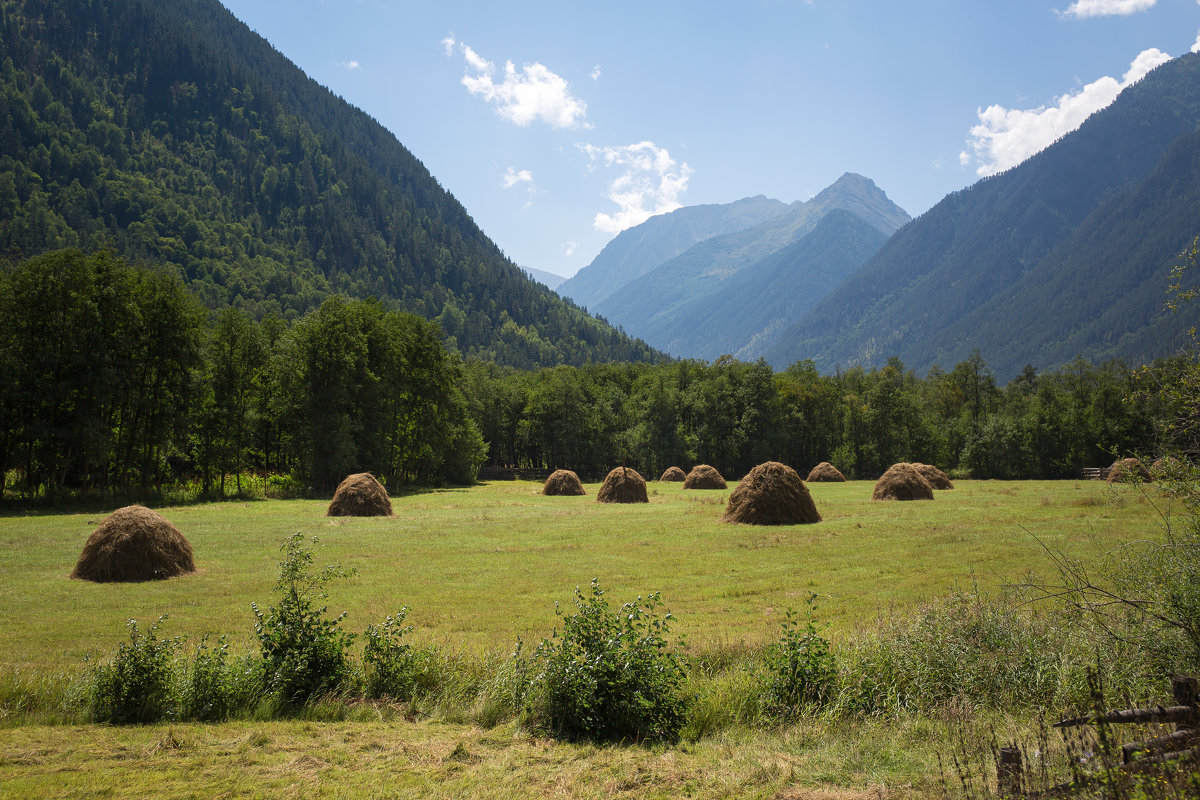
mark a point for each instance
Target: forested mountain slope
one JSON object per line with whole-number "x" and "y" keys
{"x": 637, "y": 250}
{"x": 176, "y": 136}
{"x": 660, "y": 306}
{"x": 1066, "y": 254}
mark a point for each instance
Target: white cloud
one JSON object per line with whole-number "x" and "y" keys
{"x": 448, "y": 45}
{"x": 596, "y": 72}
{"x": 1005, "y": 137}
{"x": 353, "y": 64}
{"x": 522, "y": 96}
{"x": 1107, "y": 8}
{"x": 569, "y": 248}
{"x": 1196, "y": 46}
{"x": 515, "y": 176}
{"x": 650, "y": 183}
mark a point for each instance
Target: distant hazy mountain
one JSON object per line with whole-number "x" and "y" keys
{"x": 637, "y": 250}
{"x": 1064, "y": 255}
{"x": 663, "y": 306}
{"x": 541, "y": 276}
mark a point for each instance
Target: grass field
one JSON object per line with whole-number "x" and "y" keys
{"x": 484, "y": 565}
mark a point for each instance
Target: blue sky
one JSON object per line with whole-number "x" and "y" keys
{"x": 557, "y": 124}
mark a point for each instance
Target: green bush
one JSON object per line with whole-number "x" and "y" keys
{"x": 304, "y": 653}
{"x": 136, "y": 685}
{"x": 216, "y": 686}
{"x": 610, "y": 675}
{"x": 800, "y": 668}
{"x": 392, "y": 667}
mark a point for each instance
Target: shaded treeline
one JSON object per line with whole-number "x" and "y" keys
{"x": 734, "y": 415}
{"x": 118, "y": 382}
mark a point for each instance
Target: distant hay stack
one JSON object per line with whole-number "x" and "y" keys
{"x": 134, "y": 544}
{"x": 673, "y": 475}
{"x": 1129, "y": 470}
{"x": 623, "y": 485}
{"x": 902, "y": 482}
{"x": 360, "y": 495}
{"x": 771, "y": 494}
{"x": 825, "y": 473}
{"x": 703, "y": 476}
{"x": 937, "y": 479}
{"x": 1166, "y": 467}
{"x": 563, "y": 483}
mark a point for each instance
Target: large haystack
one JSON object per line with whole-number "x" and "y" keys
{"x": 673, "y": 475}
{"x": 134, "y": 544}
{"x": 563, "y": 483}
{"x": 1129, "y": 470}
{"x": 623, "y": 485}
{"x": 825, "y": 473}
{"x": 937, "y": 479}
{"x": 771, "y": 494}
{"x": 902, "y": 482}
{"x": 703, "y": 476}
{"x": 360, "y": 495}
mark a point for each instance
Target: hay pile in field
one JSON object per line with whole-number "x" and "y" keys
{"x": 771, "y": 494}
{"x": 902, "y": 482}
{"x": 1129, "y": 470}
{"x": 360, "y": 495}
{"x": 703, "y": 476}
{"x": 563, "y": 483}
{"x": 825, "y": 473}
{"x": 674, "y": 475}
{"x": 134, "y": 544}
{"x": 937, "y": 479}
{"x": 623, "y": 485}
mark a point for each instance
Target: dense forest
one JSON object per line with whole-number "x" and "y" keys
{"x": 119, "y": 382}
{"x": 176, "y": 137}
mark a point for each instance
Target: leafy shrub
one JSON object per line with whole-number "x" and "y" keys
{"x": 800, "y": 668}
{"x": 136, "y": 685}
{"x": 285, "y": 487}
{"x": 393, "y": 667}
{"x": 304, "y": 653}
{"x": 215, "y": 686}
{"x": 610, "y": 675}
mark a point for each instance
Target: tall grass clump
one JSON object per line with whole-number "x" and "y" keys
{"x": 610, "y": 675}
{"x": 800, "y": 667}
{"x": 137, "y": 684}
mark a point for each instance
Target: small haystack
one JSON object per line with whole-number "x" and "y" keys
{"x": 825, "y": 473}
{"x": 360, "y": 495}
{"x": 563, "y": 483}
{"x": 674, "y": 475}
{"x": 703, "y": 476}
{"x": 1129, "y": 470}
{"x": 623, "y": 485}
{"x": 937, "y": 479}
{"x": 134, "y": 544}
{"x": 902, "y": 482}
{"x": 771, "y": 494}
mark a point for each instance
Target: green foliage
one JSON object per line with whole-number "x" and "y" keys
{"x": 610, "y": 675}
{"x": 800, "y": 667}
{"x": 392, "y": 667}
{"x": 304, "y": 653}
{"x": 216, "y": 686}
{"x": 136, "y": 685}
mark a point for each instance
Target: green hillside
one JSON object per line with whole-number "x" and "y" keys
{"x": 1064, "y": 255}
{"x": 174, "y": 135}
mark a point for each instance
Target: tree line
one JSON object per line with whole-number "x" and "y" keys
{"x": 118, "y": 382}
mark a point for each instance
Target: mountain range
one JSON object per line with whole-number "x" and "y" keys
{"x": 173, "y": 135}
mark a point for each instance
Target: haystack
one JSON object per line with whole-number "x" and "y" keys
{"x": 937, "y": 479}
{"x": 1129, "y": 470}
{"x": 902, "y": 482}
{"x": 825, "y": 473}
{"x": 563, "y": 483}
{"x": 703, "y": 476}
{"x": 771, "y": 494}
{"x": 134, "y": 544}
{"x": 360, "y": 495}
{"x": 673, "y": 474}
{"x": 623, "y": 485}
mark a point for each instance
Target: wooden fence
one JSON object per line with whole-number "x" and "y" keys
{"x": 1184, "y": 742}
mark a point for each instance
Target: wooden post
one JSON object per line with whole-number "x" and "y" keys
{"x": 1184, "y": 687}
{"x": 1008, "y": 772}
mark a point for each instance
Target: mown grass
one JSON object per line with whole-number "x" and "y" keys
{"x": 480, "y": 567}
